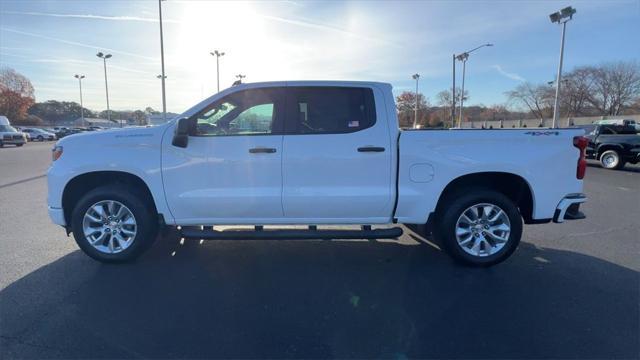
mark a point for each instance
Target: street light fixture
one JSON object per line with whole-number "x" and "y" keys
{"x": 415, "y": 77}
{"x": 217, "y": 54}
{"x": 463, "y": 58}
{"x": 560, "y": 17}
{"x": 80, "y": 77}
{"x": 164, "y": 97}
{"x": 240, "y": 77}
{"x": 104, "y": 58}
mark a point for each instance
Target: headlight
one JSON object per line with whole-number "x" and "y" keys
{"x": 56, "y": 152}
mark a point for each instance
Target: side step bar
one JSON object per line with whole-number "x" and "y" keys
{"x": 195, "y": 232}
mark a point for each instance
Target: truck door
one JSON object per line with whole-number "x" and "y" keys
{"x": 231, "y": 170}
{"x": 336, "y": 156}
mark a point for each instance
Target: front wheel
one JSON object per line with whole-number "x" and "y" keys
{"x": 112, "y": 224}
{"x": 479, "y": 227}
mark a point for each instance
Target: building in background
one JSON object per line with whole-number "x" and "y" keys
{"x": 94, "y": 122}
{"x": 157, "y": 119}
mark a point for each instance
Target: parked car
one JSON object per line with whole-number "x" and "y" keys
{"x": 66, "y": 132}
{"x": 10, "y": 135}
{"x": 312, "y": 153}
{"x": 37, "y": 134}
{"x": 613, "y": 145}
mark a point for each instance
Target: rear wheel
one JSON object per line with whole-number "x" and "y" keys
{"x": 112, "y": 224}
{"x": 40, "y": 138}
{"x": 480, "y": 227}
{"x": 611, "y": 159}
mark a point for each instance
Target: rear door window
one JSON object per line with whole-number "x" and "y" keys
{"x": 329, "y": 110}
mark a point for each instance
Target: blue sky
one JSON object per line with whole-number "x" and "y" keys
{"x": 50, "y": 41}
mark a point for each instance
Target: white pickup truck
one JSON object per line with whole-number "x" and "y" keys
{"x": 312, "y": 153}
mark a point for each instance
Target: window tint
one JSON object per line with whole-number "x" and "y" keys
{"x": 329, "y": 110}
{"x": 605, "y": 130}
{"x": 250, "y": 112}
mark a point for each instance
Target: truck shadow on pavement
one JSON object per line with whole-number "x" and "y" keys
{"x": 319, "y": 299}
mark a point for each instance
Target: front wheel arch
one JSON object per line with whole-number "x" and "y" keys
{"x": 78, "y": 186}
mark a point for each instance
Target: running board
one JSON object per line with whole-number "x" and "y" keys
{"x": 196, "y": 232}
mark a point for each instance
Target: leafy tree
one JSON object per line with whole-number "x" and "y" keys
{"x": 149, "y": 110}
{"x": 16, "y": 95}
{"x": 406, "y": 103}
{"x": 57, "y": 111}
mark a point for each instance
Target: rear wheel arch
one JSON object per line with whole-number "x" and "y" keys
{"x": 77, "y": 187}
{"x": 513, "y": 186}
{"x": 606, "y": 147}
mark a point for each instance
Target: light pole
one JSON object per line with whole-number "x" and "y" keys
{"x": 464, "y": 57}
{"x": 106, "y": 84}
{"x": 164, "y": 109}
{"x": 80, "y": 77}
{"x": 453, "y": 94}
{"x": 560, "y": 17}
{"x": 164, "y": 97}
{"x": 240, "y": 77}
{"x": 415, "y": 77}
{"x": 217, "y": 54}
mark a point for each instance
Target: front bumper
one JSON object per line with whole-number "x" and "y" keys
{"x": 14, "y": 141}
{"x": 57, "y": 216}
{"x": 569, "y": 208}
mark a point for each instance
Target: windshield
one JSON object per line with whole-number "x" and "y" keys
{"x": 7, "y": 128}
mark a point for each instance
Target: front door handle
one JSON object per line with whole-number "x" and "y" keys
{"x": 371, "y": 149}
{"x": 261, "y": 150}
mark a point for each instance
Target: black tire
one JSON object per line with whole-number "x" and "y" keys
{"x": 456, "y": 204}
{"x": 1, "y": 144}
{"x": 144, "y": 213}
{"x": 40, "y": 138}
{"x": 18, "y": 145}
{"x": 612, "y": 160}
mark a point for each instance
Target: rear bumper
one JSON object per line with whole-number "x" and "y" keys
{"x": 569, "y": 208}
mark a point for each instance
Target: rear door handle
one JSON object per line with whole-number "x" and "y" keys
{"x": 261, "y": 150}
{"x": 371, "y": 149}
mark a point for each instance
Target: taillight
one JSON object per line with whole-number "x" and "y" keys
{"x": 581, "y": 143}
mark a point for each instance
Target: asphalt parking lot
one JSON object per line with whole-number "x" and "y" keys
{"x": 570, "y": 291}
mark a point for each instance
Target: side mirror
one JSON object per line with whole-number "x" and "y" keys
{"x": 181, "y": 133}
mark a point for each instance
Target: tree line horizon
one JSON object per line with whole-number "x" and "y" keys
{"x": 595, "y": 90}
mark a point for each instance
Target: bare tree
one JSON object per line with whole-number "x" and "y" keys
{"x": 615, "y": 86}
{"x": 537, "y": 98}
{"x": 576, "y": 89}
